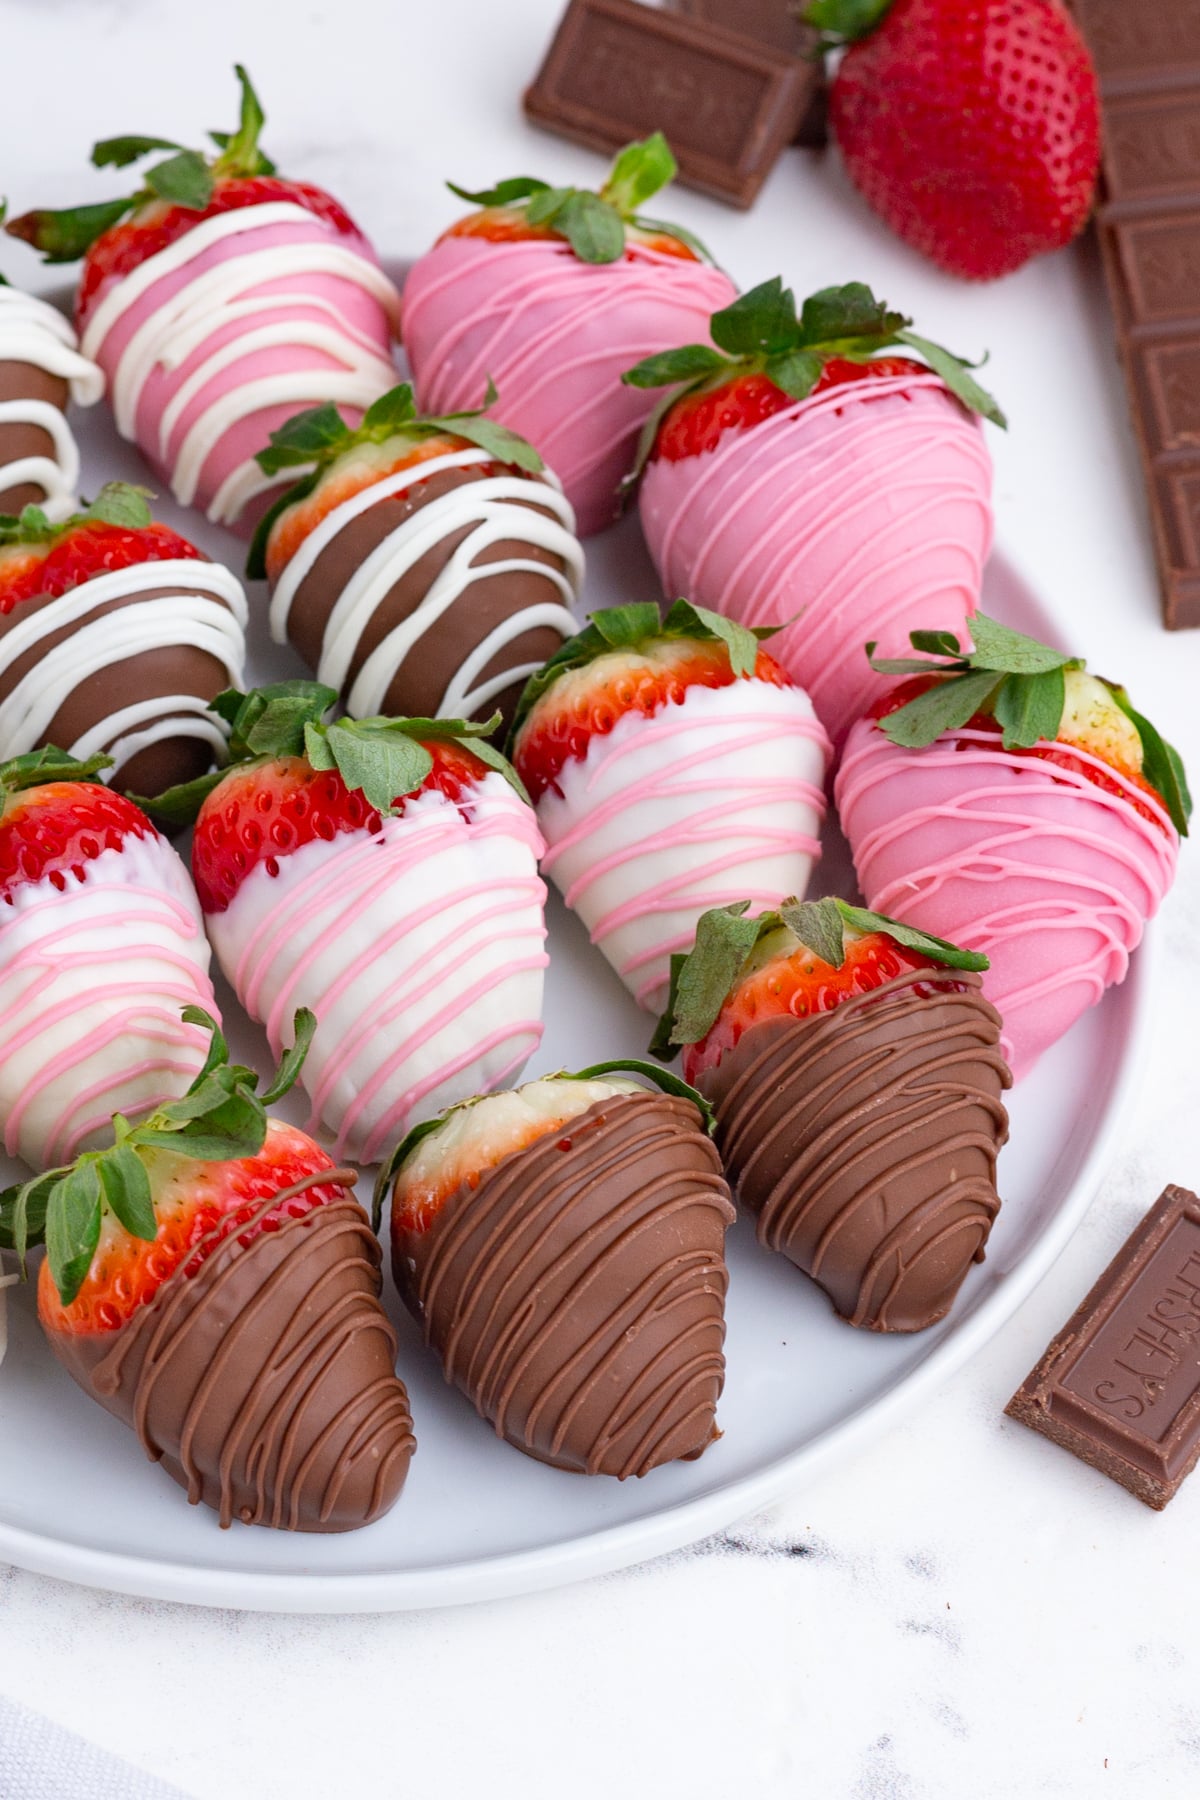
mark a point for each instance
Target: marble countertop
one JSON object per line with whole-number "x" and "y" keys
{"x": 961, "y": 1611}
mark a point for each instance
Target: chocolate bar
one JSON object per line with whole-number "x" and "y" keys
{"x": 1120, "y": 1384}
{"x": 1148, "y": 64}
{"x": 774, "y": 22}
{"x": 728, "y": 105}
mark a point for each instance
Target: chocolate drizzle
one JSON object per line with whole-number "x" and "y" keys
{"x": 265, "y": 1381}
{"x": 576, "y": 1293}
{"x": 864, "y": 1140}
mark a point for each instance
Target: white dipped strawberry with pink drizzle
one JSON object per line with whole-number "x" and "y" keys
{"x": 674, "y": 765}
{"x": 795, "y": 476}
{"x": 551, "y": 293}
{"x": 101, "y": 947}
{"x": 217, "y": 300}
{"x": 383, "y": 873}
{"x": 1007, "y": 799}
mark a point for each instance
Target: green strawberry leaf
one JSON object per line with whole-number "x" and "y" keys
{"x": 594, "y": 230}
{"x": 834, "y": 315}
{"x": 1010, "y": 652}
{"x": 178, "y": 806}
{"x": 240, "y": 153}
{"x": 686, "y": 620}
{"x": 935, "y": 643}
{"x": 660, "y": 1045}
{"x": 796, "y": 372}
{"x": 126, "y": 1189}
{"x": 272, "y": 720}
{"x": 956, "y": 373}
{"x": 37, "y": 767}
{"x": 818, "y": 925}
{"x": 319, "y": 433}
{"x": 652, "y": 1072}
{"x": 387, "y": 414}
{"x": 671, "y": 367}
{"x": 1162, "y": 765}
{"x": 638, "y": 173}
{"x": 944, "y": 707}
{"x": 761, "y": 322}
{"x": 119, "y": 152}
{"x": 499, "y": 442}
{"x": 291, "y": 1062}
{"x": 63, "y": 237}
{"x": 1030, "y": 707}
{"x": 121, "y": 503}
{"x": 384, "y": 765}
{"x": 73, "y": 1218}
{"x": 667, "y": 228}
{"x": 185, "y": 180}
{"x": 505, "y": 193}
{"x": 545, "y": 206}
{"x": 218, "y": 1049}
{"x": 935, "y": 948}
{"x": 23, "y": 1212}
{"x": 724, "y": 939}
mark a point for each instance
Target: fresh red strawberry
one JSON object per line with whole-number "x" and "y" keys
{"x": 180, "y": 1288}
{"x": 115, "y": 532}
{"x": 384, "y": 873}
{"x": 972, "y": 127}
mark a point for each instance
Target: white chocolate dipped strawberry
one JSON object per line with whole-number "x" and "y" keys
{"x": 383, "y": 873}
{"x": 551, "y": 292}
{"x": 101, "y": 945}
{"x": 796, "y": 477}
{"x": 218, "y": 299}
{"x": 1007, "y": 799}
{"x": 41, "y": 370}
{"x": 674, "y": 766}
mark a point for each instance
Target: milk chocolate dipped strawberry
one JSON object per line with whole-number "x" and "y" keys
{"x": 1007, "y": 799}
{"x": 673, "y": 764}
{"x": 101, "y": 944}
{"x": 562, "y": 1247}
{"x": 856, "y": 1072}
{"x": 551, "y": 292}
{"x": 795, "y": 476}
{"x": 217, "y": 299}
{"x": 423, "y": 565}
{"x": 40, "y": 371}
{"x": 115, "y": 633}
{"x": 210, "y": 1281}
{"x": 382, "y": 872}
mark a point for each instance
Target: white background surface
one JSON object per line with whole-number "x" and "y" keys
{"x": 960, "y": 1613}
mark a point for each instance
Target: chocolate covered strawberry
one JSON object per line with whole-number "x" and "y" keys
{"x": 101, "y": 944}
{"x": 382, "y": 872}
{"x": 423, "y": 565}
{"x": 551, "y": 292}
{"x": 115, "y": 633}
{"x": 1007, "y": 799}
{"x": 217, "y": 299}
{"x": 674, "y": 765}
{"x": 796, "y": 476}
{"x": 210, "y": 1280}
{"x": 972, "y": 127}
{"x": 562, "y": 1248}
{"x": 856, "y": 1072}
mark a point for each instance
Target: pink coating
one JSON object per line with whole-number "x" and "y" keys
{"x": 555, "y": 335}
{"x": 1050, "y": 875}
{"x": 865, "y": 509}
{"x": 411, "y": 964}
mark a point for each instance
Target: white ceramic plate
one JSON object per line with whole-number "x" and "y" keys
{"x": 477, "y": 1519}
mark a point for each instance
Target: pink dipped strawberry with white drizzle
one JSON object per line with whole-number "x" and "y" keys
{"x": 795, "y": 476}
{"x": 217, "y": 300}
{"x": 1009, "y": 799}
{"x": 101, "y": 946}
{"x": 551, "y": 293}
{"x": 383, "y": 873}
{"x": 673, "y": 764}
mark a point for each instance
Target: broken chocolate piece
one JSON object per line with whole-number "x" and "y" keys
{"x": 774, "y": 22}
{"x": 728, "y": 105}
{"x": 1120, "y": 1384}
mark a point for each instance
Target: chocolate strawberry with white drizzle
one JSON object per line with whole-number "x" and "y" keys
{"x": 1006, "y": 798}
{"x": 856, "y": 1072}
{"x": 218, "y": 298}
{"x": 101, "y": 944}
{"x": 210, "y": 1280}
{"x": 562, "y": 1247}
{"x": 821, "y": 470}
{"x": 41, "y": 370}
{"x": 422, "y": 565}
{"x": 382, "y": 872}
{"x": 674, "y": 765}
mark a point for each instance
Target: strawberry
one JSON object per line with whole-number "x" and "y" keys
{"x": 204, "y": 242}
{"x": 673, "y": 764}
{"x": 563, "y": 1249}
{"x": 115, "y": 633}
{"x": 1008, "y": 798}
{"x": 384, "y": 873}
{"x": 101, "y": 942}
{"x": 790, "y": 475}
{"x": 422, "y": 565}
{"x": 544, "y": 290}
{"x": 855, "y": 1069}
{"x": 209, "y": 1281}
{"x": 972, "y": 127}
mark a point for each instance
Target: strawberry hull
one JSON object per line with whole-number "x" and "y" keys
{"x": 218, "y": 339}
{"x": 40, "y": 370}
{"x": 717, "y": 797}
{"x": 865, "y": 509}
{"x": 1050, "y": 875}
{"x": 93, "y": 977}
{"x": 555, "y": 335}
{"x": 419, "y": 948}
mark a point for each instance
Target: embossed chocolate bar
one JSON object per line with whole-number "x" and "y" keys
{"x": 1148, "y": 63}
{"x": 773, "y": 22}
{"x": 1120, "y": 1384}
{"x": 617, "y": 70}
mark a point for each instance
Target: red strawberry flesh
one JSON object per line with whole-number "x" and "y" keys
{"x": 81, "y": 552}
{"x": 52, "y": 832}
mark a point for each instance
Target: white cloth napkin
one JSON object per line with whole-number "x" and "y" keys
{"x": 41, "y": 1761}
